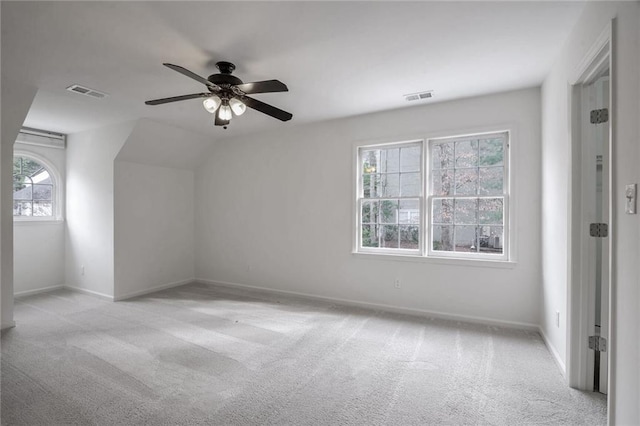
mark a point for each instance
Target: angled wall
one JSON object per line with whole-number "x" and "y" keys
{"x": 16, "y": 101}
{"x": 154, "y": 208}
{"x": 90, "y": 207}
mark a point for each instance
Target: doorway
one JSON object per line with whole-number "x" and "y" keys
{"x": 589, "y": 337}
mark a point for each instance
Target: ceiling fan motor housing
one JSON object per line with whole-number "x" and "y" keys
{"x": 224, "y": 77}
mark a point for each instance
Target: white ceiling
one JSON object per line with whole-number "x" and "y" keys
{"x": 338, "y": 58}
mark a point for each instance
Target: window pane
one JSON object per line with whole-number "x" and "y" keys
{"x": 370, "y": 160}
{"x": 490, "y": 211}
{"x": 442, "y": 182}
{"x": 22, "y": 191}
{"x": 442, "y": 238}
{"x": 410, "y": 159}
{"x": 410, "y": 184}
{"x": 409, "y": 237}
{"x": 389, "y": 160}
{"x": 22, "y": 208}
{"x": 442, "y": 211}
{"x": 371, "y": 185}
{"x": 465, "y": 212}
{"x": 369, "y": 212}
{"x": 491, "y": 239}
{"x": 491, "y": 180}
{"x": 491, "y": 152}
{"x": 30, "y": 168}
{"x": 42, "y": 192}
{"x": 409, "y": 212}
{"x": 466, "y": 181}
{"x": 42, "y": 208}
{"x": 388, "y": 211}
{"x": 43, "y": 178}
{"x": 466, "y": 238}
{"x": 467, "y": 153}
{"x": 442, "y": 155}
{"x": 390, "y": 185}
{"x": 369, "y": 236}
{"x": 389, "y": 235}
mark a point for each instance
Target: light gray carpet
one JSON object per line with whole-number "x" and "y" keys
{"x": 204, "y": 355}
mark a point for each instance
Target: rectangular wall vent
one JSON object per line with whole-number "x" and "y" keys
{"x": 81, "y": 90}
{"x": 419, "y": 96}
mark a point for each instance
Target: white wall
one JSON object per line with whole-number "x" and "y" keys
{"x": 625, "y": 375}
{"x": 276, "y": 211}
{"x": 38, "y": 247}
{"x": 90, "y": 207}
{"x": 154, "y": 233}
{"x": 16, "y": 99}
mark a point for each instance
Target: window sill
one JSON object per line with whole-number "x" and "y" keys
{"x": 473, "y": 263}
{"x": 29, "y": 222}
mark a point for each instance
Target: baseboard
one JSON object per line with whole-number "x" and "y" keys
{"x": 152, "y": 289}
{"x": 90, "y": 292}
{"x": 381, "y": 307}
{"x": 556, "y": 356}
{"x": 37, "y": 291}
{"x": 8, "y": 325}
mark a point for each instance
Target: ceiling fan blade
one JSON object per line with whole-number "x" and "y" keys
{"x": 263, "y": 87}
{"x": 192, "y": 75}
{"x": 177, "y": 98}
{"x": 218, "y": 121}
{"x": 266, "y": 108}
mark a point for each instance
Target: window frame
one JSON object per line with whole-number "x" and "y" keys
{"x": 425, "y": 251}
{"x": 506, "y": 195}
{"x": 360, "y": 199}
{"x": 56, "y": 192}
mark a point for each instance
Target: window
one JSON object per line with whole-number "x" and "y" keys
{"x": 459, "y": 209}
{"x": 467, "y": 196}
{"x": 33, "y": 189}
{"x": 390, "y": 197}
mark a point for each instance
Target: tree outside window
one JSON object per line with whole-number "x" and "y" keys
{"x": 32, "y": 188}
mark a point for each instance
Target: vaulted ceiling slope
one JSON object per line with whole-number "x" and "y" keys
{"x": 338, "y": 58}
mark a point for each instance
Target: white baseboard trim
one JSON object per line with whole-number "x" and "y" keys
{"x": 90, "y": 292}
{"x": 152, "y": 289}
{"x": 554, "y": 352}
{"x": 37, "y": 291}
{"x": 8, "y": 325}
{"x": 381, "y": 307}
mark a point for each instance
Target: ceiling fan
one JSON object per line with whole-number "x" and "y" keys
{"x": 228, "y": 94}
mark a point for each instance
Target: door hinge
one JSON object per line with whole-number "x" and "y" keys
{"x": 599, "y": 230}
{"x": 599, "y": 116}
{"x": 598, "y": 343}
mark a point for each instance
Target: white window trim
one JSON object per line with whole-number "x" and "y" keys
{"x": 57, "y": 196}
{"x": 505, "y": 194}
{"x": 424, "y": 254}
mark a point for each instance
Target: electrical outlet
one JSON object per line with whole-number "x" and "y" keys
{"x": 396, "y": 283}
{"x": 557, "y": 318}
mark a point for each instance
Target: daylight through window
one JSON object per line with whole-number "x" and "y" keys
{"x": 465, "y": 208}
{"x": 390, "y": 197}
{"x": 467, "y": 195}
{"x": 33, "y": 189}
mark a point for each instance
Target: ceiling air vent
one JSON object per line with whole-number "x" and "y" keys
{"x": 419, "y": 96}
{"x": 81, "y": 90}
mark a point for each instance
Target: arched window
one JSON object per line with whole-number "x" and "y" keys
{"x": 34, "y": 188}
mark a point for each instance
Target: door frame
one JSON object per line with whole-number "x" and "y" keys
{"x": 579, "y": 300}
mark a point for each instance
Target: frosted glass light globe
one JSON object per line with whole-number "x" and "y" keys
{"x": 212, "y": 103}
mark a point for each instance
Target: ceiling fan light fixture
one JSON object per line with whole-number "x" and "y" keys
{"x": 225, "y": 113}
{"x": 212, "y": 103}
{"x": 237, "y": 106}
